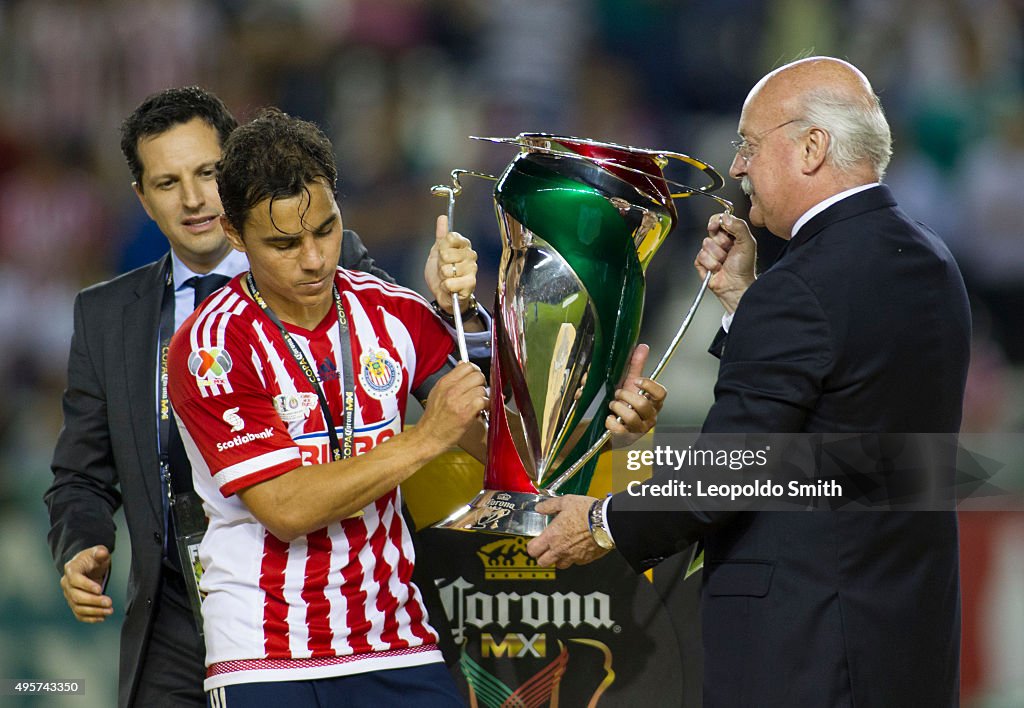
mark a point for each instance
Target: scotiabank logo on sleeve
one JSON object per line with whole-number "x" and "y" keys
{"x": 240, "y": 440}
{"x": 232, "y": 418}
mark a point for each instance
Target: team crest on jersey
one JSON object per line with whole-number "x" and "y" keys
{"x": 210, "y": 365}
{"x": 380, "y": 375}
{"x": 294, "y": 406}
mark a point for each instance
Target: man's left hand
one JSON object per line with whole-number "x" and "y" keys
{"x": 451, "y": 266}
{"x": 567, "y": 540}
{"x": 637, "y": 403}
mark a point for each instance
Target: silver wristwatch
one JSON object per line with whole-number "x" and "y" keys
{"x": 598, "y": 528}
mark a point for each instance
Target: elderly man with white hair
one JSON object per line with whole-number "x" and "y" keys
{"x": 861, "y": 328}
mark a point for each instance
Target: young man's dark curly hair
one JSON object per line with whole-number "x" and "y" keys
{"x": 274, "y": 156}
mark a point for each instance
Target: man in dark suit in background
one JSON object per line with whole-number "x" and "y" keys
{"x": 114, "y": 448}
{"x": 861, "y": 326}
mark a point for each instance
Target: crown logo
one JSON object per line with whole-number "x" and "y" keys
{"x": 507, "y": 559}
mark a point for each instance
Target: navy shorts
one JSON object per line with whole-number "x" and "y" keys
{"x": 428, "y": 686}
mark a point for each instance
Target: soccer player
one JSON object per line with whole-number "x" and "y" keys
{"x": 308, "y": 562}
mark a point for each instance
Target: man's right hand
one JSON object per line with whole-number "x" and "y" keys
{"x": 454, "y": 405}
{"x": 83, "y": 585}
{"x": 451, "y": 266}
{"x": 730, "y": 254}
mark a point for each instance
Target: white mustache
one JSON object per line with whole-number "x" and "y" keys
{"x": 746, "y": 186}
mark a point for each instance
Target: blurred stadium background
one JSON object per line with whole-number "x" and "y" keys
{"x": 399, "y": 85}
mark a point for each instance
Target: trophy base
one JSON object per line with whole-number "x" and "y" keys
{"x": 502, "y": 513}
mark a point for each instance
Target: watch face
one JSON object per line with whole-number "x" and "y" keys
{"x": 602, "y": 538}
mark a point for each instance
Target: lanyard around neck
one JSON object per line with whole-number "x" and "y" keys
{"x": 164, "y": 402}
{"x": 342, "y": 450}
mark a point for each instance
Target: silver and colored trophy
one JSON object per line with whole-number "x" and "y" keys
{"x": 580, "y": 221}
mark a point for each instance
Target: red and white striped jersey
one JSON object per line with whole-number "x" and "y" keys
{"x": 341, "y": 600}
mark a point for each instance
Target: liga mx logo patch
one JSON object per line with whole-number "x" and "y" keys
{"x": 209, "y": 365}
{"x": 380, "y": 375}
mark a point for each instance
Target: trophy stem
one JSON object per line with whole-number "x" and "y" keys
{"x": 460, "y": 330}
{"x": 682, "y": 328}
{"x": 673, "y": 345}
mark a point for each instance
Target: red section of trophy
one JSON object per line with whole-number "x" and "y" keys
{"x": 639, "y": 169}
{"x": 504, "y": 469}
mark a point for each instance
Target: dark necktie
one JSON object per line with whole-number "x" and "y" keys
{"x": 205, "y": 285}
{"x": 181, "y": 471}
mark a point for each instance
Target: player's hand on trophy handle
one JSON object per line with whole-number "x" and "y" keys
{"x": 82, "y": 584}
{"x": 454, "y": 405}
{"x": 451, "y": 267}
{"x": 634, "y": 411}
{"x": 567, "y": 539}
{"x": 729, "y": 253}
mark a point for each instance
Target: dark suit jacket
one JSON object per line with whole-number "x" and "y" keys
{"x": 107, "y": 450}
{"x": 862, "y": 326}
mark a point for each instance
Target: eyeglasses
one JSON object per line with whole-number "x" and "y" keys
{"x": 746, "y": 149}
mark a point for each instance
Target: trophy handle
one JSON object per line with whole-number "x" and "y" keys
{"x": 717, "y": 181}
{"x": 443, "y": 190}
{"x": 669, "y": 352}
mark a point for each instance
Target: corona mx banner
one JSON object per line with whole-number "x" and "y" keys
{"x": 527, "y": 636}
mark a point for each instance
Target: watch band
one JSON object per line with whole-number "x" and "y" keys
{"x": 472, "y": 311}
{"x": 598, "y": 527}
